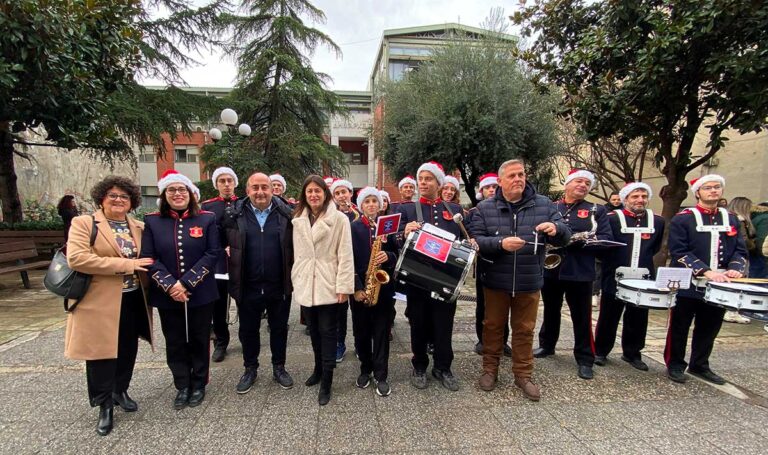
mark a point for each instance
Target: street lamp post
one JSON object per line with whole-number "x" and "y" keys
{"x": 229, "y": 119}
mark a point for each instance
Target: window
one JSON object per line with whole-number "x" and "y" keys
{"x": 185, "y": 155}
{"x": 398, "y": 69}
{"x": 147, "y": 154}
{"x": 356, "y": 158}
{"x": 149, "y": 196}
{"x": 410, "y": 51}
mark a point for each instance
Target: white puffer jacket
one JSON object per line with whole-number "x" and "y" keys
{"x": 323, "y": 263}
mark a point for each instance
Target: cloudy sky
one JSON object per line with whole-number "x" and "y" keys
{"x": 357, "y": 26}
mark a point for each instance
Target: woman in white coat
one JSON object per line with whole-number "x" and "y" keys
{"x": 322, "y": 275}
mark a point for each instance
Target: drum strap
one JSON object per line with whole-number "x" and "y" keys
{"x": 637, "y": 234}
{"x": 420, "y": 213}
{"x": 714, "y": 234}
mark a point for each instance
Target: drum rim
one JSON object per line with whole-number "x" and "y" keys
{"x": 633, "y": 288}
{"x": 719, "y": 287}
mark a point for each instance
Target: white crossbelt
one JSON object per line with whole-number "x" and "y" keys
{"x": 637, "y": 234}
{"x": 714, "y": 234}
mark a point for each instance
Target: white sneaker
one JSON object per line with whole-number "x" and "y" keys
{"x": 765, "y": 327}
{"x": 735, "y": 317}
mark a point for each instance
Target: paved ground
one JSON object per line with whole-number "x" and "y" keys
{"x": 44, "y": 409}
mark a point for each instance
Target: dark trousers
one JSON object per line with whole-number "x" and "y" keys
{"x": 341, "y": 324}
{"x": 106, "y": 376}
{"x": 480, "y": 312}
{"x": 520, "y": 310}
{"x": 250, "y": 311}
{"x": 189, "y": 361}
{"x": 220, "y": 327}
{"x": 322, "y": 321}
{"x": 632, "y": 333}
{"x": 370, "y": 328}
{"x": 578, "y": 295}
{"x": 708, "y": 319}
{"x": 433, "y": 319}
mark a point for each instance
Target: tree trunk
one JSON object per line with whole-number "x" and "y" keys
{"x": 9, "y": 192}
{"x": 672, "y": 194}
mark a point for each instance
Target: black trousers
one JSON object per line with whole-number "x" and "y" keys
{"x": 106, "y": 376}
{"x": 220, "y": 327}
{"x": 341, "y": 324}
{"x": 189, "y": 361}
{"x": 370, "y": 328}
{"x": 250, "y": 311}
{"x": 322, "y": 321}
{"x": 632, "y": 333}
{"x": 433, "y": 319}
{"x": 708, "y": 320}
{"x": 480, "y": 312}
{"x": 578, "y": 295}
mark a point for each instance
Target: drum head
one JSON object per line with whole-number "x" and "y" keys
{"x": 641, "y": 285}
{"x": 739, "y": 287}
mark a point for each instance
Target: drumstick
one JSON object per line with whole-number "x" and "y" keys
{"x": 458, "y": 218}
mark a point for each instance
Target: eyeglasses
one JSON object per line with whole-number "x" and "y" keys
{"x": 711, "y": 188}
{"x": 179, "y": 190}
{"x": 115, "y": 196}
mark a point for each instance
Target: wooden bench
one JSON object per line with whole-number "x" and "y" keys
{"x": 45, "y": 241}
{"x": 17, "y": 252}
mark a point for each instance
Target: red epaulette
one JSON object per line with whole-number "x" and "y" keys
{"x": 684, "y": 211}
{"x": 405, "y": 202}
{"x": 213, "y": 199}
{"x": 206, "y": 211}
{"x": 151, "y": 214}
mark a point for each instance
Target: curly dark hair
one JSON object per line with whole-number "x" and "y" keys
{"x": 100, "y": 190}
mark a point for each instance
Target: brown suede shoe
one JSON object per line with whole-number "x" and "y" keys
{"x": 530, "y": 390}
{"x": 487, "y": 381}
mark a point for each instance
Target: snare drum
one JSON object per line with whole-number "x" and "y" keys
{"x": 443, "y": 279}
{"x": 644, "y": 294}
{"x": 737, "y": 296}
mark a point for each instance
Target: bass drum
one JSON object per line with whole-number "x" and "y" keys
{"x": 443, "y": 280}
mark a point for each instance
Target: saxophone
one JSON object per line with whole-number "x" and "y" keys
{"x": 374, "y": 276}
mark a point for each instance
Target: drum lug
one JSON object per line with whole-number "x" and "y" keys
{"x": 461, "y": 261}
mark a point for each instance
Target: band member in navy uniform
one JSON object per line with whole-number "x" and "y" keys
{"x": 225, "y": 181}
{"x": 425, "y": 312}
{"x": 342, "y": 195}
{"x": 488, "y": 184}
{"x": 642, "y": 231}
{"x": 706, "y": 240}
{"x": 259, "y": 233}
{"x": 185, "y": 244}
{"x": 573, "y": 277}
{"x": 371, "y": 320}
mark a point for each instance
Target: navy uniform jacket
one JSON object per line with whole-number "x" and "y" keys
{"x": 185, "y": 249}
{"x": 690, "y": 248}
{"x": 616, "y": 257}
{"x": 218, "y": 206}
{"x": 578, "y": 262}
{"x": 434, "y": 213}
{"x": 363, "y": 232}
{"x": 353, "y": 214}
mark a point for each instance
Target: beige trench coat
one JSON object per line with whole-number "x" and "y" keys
{"x": 92, "y": 327}
{"x": 323, "y": 264}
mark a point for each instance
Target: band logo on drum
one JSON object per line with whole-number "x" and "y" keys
{"x": 433, "y": 246}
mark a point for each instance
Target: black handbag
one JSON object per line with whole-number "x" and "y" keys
{"x": 65, "y": 282}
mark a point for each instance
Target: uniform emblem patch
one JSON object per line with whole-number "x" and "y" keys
{"x": 583, "y": 213}
{"x": 196, "y": 232}
{"x": 732, "y": 231}
{"x": 645, "y": 236}
{"x": 447, "y": 216}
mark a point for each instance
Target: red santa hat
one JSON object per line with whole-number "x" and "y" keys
{"x": 709, "y": 178}
{"x": 172, "y": 176}
{"x": 581, "y": 173}
{"x": 632, "y": 186}
{"x": 405, "y": 180}
{"x": 222, "y": 171}
{"x": 369, "y": 191}
{"x": 435, "y": 169}
{"x": 278, "y": 178}
{"x": 328, "y": 180}
{"x": 385, "y": 195}
{"x": 341, "y": 182}
{"x": 453, "y": 181}
{"x": 488, "y": 179}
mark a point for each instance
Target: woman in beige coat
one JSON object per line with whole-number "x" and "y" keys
{"x": 105, "y": 326}
{"x": 322, "y": 275}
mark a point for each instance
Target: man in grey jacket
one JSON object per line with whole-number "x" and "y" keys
{"x": 511, "y": 230}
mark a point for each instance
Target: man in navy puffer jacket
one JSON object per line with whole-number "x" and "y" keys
{"x": 505, "y": 228}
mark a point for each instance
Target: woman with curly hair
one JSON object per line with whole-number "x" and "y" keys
{"x": 105, "y": 327}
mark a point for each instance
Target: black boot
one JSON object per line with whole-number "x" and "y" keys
{"x": 105, "y": 419}
{"x": 315, "y": 378}
{"x": 325, "y": 388}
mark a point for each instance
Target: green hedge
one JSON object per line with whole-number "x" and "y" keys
{"x": 33, "y": 226}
